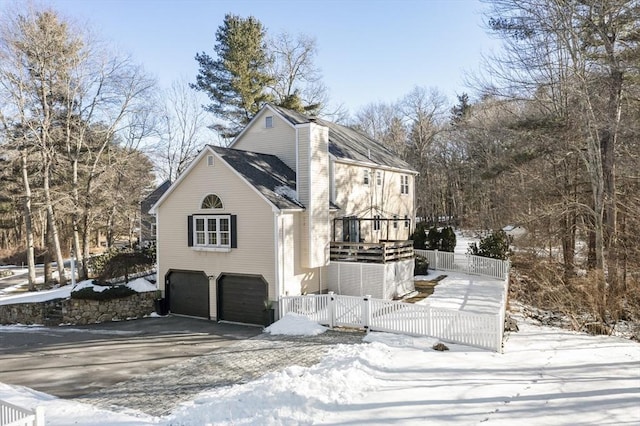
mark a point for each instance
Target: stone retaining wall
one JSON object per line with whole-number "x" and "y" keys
{"x": 27, "y": 313}
{"x": 78, "y": 311}
{"x": 83, "y": 311}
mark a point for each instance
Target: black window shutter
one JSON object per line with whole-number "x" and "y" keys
{"x": 190, "y": 231}
{"x": 234, "y": 231}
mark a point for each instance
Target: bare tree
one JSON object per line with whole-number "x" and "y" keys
{"x": 297, "y": 81}
{"x": 182, "y": 130}
{"x": 38, "y": 54}
{"x": 68, "y": 97}
{"x": 582, "y": 56}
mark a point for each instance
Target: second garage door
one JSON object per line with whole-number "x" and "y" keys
{"x": 241, "y": 298}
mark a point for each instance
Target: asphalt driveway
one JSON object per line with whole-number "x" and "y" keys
{"x": 71, "y": 361}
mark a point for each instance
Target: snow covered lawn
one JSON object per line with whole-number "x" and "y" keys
{"x": 139, "y": 285}
{"x": 545, "y": 376}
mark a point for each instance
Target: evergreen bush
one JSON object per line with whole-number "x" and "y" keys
{"x": 113, "y": 292}
{"x": 448, "y": 239}
{"x": 419, "y": 236}
{"x": 421, "y": 266}
{"x": 433, "y": 239}
{"x": 495, "y": 246}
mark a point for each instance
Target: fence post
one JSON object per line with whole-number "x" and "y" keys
{"x": 39, "y": 416}
{"x": 330, "y": 308}
{"x": 435, "y": 252}
{"x": 366, "y": 312}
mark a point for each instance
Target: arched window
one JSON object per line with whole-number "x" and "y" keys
{"x": 212, "y": 201}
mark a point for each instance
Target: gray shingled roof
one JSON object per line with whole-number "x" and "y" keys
{"x": 153, "y": 198}
{"x": 349, "y": 144}
{"x": 267, "y": 173}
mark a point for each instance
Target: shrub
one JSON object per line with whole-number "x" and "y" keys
{"x": 419, "y": 236}
{"x": 433, "y": 239}
{"x": 443, "y": 240}
{"x": 125, "y": 263}
{"x": 113, "y": 292}
{"x": 495, "y": 246}
{"x": 421, "y": 266}
{"x": 116, "y": 263}
{"x": 448, "y": 239}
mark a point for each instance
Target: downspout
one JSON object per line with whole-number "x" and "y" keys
{"x": 279, "y": 258}
{"x": 157, "y": 238}
{"x": 297, "y": 166}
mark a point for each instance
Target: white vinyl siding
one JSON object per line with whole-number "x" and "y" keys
{"x": 279, "y": 140}
{"x": 385, "y": 200}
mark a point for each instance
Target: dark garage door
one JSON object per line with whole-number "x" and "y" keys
{"x": 189, "y": 293}
{"x": 241, "y": 298}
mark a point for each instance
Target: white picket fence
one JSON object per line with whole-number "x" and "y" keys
{"x": 478, "y": 330}
{"x": 12, "y": 415}
{"x": 467, "y": 263}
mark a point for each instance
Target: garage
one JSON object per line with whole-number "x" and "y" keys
{"x": 241, "y": 298}
{"x": 188, "y": 293}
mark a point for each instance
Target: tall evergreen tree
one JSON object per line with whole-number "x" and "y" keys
{"x": 236, "y": 80}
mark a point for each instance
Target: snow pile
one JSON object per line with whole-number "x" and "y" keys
{"x": 293, "y": 324}
{"x": 89, "y": 284}
{"x": 140, "y": 285}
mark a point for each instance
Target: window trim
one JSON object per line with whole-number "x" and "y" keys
{"x": 379, "y": 178}
{"x": 268, "y": 122}
{"x": 211, "y": 208}
{"x": 366, "y": 177}
{"x": 404, "y": 184}
{"x": 206, "y": 246}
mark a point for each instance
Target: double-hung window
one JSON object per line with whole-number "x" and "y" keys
{"x": 212, "y": 231}
{"x": 404, "y": 184}
{"x": 365, "y": 176}
{"x": 376, "y": 222}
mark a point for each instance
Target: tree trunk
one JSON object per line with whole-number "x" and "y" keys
{"x": 80, "y": 259}
{"x": 31, "y": 262}
{"x": 55, "y": 239}
{"x": 48, "y": 276}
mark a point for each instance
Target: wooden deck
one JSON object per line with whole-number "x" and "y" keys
{"x": 381, "y": 252}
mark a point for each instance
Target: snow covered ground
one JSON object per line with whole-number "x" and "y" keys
{"x": 545, "y": 376}
{"x": 139, "y": 285}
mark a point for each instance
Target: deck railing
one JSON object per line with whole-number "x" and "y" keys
{"x": 381, "y": 252}
{"x": 12, "y": 415}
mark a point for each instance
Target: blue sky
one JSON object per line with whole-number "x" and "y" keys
{"x": 369, "y": 51}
